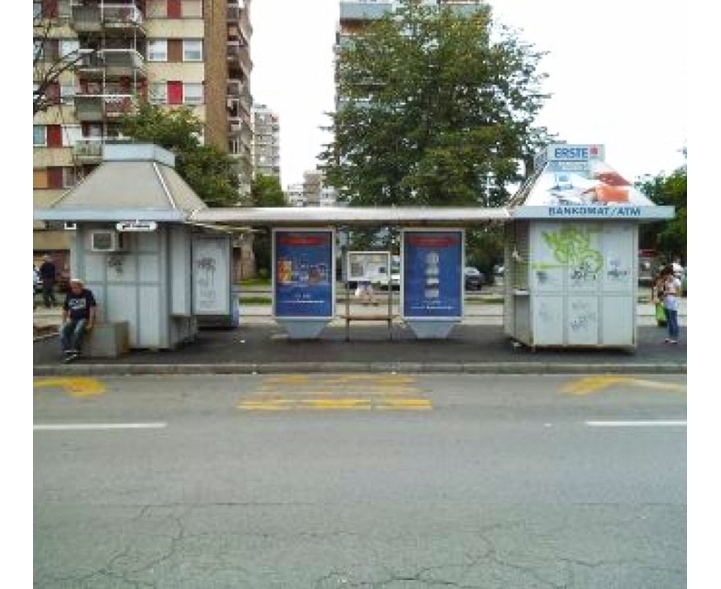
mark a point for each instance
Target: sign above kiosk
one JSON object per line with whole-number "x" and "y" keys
{"x": 136, "y": 226}
{"x": 574, "y": 181}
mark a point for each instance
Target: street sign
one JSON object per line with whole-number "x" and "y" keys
{"x": 136, "y": 226}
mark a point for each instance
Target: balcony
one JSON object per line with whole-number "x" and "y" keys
{"x": 364, "y": 11}
{"x": 94, "y": 18}
{"x": 88, "y": 151}
{"x": 100, "y": 107}
{"x": 239, "y": 58}
{"x": 111, "y": 63}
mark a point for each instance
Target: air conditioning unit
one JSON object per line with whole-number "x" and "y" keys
{"x": 107, "y": 241}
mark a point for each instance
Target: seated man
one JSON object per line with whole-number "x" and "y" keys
{"x": 78, "y": 317}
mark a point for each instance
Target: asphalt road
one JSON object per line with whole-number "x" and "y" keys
{"x": 360, "y": 480}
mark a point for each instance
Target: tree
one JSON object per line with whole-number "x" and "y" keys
{"x": 667, "y": 237}
{"x": 212, "y": 174}
{"x": 265, "y": 191}
{"x": 435, "y": 108}
{"x": 48, "y": 63}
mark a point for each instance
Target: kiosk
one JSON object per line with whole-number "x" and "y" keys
{"x": 148, "y": 268}
{"x": 571, "y": 253}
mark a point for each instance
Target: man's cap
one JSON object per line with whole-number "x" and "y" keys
{"x": 77, "y": 281}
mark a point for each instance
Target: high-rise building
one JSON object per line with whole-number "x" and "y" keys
{"x": 112, "y": 54}
{"x": 266, "y": 141}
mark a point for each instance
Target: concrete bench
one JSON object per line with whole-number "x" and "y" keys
{"x": 388, "y": 318}
{"x": 107, "y": 340}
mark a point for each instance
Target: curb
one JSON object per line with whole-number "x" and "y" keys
{"x": 359, "y": 367}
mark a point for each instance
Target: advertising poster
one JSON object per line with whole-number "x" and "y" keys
{"x": 303, "y": 278}
{"x": 211, "y": 276}
{"x": 432, "y": 280}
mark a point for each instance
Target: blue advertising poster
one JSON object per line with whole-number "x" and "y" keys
{"x": 304, "y": 273}
{"x": 432, "y": 265}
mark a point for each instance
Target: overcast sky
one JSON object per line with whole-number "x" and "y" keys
{"x": 616, "y": 72}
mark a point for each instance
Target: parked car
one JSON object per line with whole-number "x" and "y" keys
{"x": 473, "y": 278}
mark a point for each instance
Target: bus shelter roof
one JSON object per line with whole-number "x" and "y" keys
{"x": 341, "y": 216}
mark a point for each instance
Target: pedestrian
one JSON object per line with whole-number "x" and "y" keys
{"x": 677, "y": 267}
{"x": 48, "y": 274}
{"x": 36, "y": 283}
{"x": 657, "y": 298}
{"x": 79, "y": 310}
{"x": 671, "y": 294}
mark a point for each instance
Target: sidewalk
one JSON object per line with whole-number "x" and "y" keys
{"x": 259, "y": 345}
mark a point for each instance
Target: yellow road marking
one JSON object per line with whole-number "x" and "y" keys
{"x": 76, "y": 387}
{"x": 369, "y": 390}
{"x": 334, "y": 404}
{"x": 595, "y": 384}
{"x": 347, "y": 391}
{"x": 423, "y": 404}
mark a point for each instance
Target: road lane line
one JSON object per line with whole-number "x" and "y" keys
{"x": 98, "y": 426}
{"x": 640, "y": 423}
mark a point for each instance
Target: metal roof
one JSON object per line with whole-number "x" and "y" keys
{"x": 121, "y": 189}
{"x": 324, "y": 216}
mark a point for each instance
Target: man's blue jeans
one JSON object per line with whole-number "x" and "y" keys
{"x": 72, "y": 334}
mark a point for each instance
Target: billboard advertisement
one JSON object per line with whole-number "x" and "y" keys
{"x": 303, "y": 281}
{"x": 211, "y": 276}
{"x": 432, "y": 286}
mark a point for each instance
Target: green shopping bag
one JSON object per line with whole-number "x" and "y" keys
{"x": 660, "y": 315}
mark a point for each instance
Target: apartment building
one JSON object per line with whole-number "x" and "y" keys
{"x": 114, "y": 53}
{"x": 266, "y": 141}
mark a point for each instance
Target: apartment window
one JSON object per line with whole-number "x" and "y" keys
{"x": 175, "y": 50}
{"x": 192, "y": 8}
{"x": 67, "y": 93}
{"x": 64, "y": 9}
{"x": 71, "y": 134}
{"x": 40, "y": 178}
{"x": 192, "y": 50}
{"x": 159, "y": 93}
{"x": 175, "y": 8}
{"x": 45, "y": 8}
{"x": 37, "y": 50}
{"x": 55, "y": 177}
{"x": 69, "y": 48}
{"x": 54, "y": 136}
{"x": 175, "y": 92}
{"x": 193, "y": 93}
{"x": 70, "y": 177}
{"x": 158, "y": 50}
{"x": 39, "y": 136}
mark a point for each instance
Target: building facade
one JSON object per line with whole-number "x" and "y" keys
{"x": 94, "y": 60}
{"x": 266, "y": 141}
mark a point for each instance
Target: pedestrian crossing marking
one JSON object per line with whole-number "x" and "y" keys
{"x": 359, "y": 392}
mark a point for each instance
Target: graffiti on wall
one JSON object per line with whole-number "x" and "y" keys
{"x": 572, "y": 247}
{"x": 583, "y": 317}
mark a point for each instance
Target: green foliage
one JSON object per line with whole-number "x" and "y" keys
{"x": 667, "y": 237}
{"x": 265, "y": 191}
{"x": 212, "y": 174}
{"x": 436, "y": 108}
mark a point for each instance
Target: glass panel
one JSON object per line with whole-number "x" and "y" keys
{"x": 192, "y": 50}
